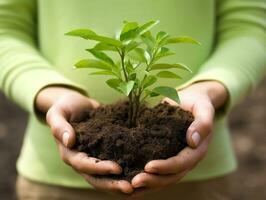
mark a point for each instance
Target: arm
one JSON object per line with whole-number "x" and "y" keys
{"x": 238, "y": 62}
{"x": 23, "y": 71}
{"x": 31, "y": 81}
{"x": 239, "y": 57}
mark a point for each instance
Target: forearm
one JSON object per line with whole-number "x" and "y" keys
{"x": 23, "y": 70}
{"x": 230, "y": 63}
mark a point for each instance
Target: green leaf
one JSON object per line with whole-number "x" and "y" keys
{"x": 126, "y": 87}
{"x": 128, "y": 26}
{"x": 147, "y": 26}
{"x": 148, "y": 35}
{"x": 129, "y": 31}
{"x": 146, "y": 72}
{"x": 132, "y": 45}
{"x": 136, "y": 83}
{"x": 167, "y": 92}
{"x": 143, "y": 54}
{"x": 91, "y": 63}
{"x": 167, "y": 74}
{"x": 90, "y": 35}
{"x": 136, "y": 65}
{"x": 132, "y": 76}
{"x": 163, "y": 53}
{"x": 150, "y": 80}
{"x": 150, "y": 93}
{"x": 103, "y": 73}
{"x": 132, "y": 30}
{"x": 116, "y": 70}
{"x": 130, "y": 35}
{"x": 129, "y": 67}
{"x": 148, "y": 39}
{"x": 101, "y": 46}
{"x": 160, "y": 66}
{"x": 182, "y": 39}
{"x": 161, "y": 35}
{"x": 83, "y": 33}
{"x": 122, "y": 87}
{"x": 114, "y": 83}
{"x": 153, "y": 94}
{"x": 101, "y": 56}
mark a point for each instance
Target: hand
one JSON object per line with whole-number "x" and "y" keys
{"x": 63, "y": 105}
{"x": 201, "y": 99}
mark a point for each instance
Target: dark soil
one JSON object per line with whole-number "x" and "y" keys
{"x": 160, "y": 133}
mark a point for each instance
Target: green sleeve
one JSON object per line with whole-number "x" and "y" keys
{"x": 238, "y": 60}
{"x": 23, "y": 71}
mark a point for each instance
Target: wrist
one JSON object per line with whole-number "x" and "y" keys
{"x": 216, "y": 92}
{"x": 49, "y": 95}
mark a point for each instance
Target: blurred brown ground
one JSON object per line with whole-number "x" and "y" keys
{"x": 248, "y": 123}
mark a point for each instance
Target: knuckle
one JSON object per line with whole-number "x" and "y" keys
{"x": 77, "y": 166}
{"x": 56, "y": 130}
{"x": 99, "y": 183}
{"x": 203, "y": 152}
{"x": 180, "y": 163}
{"x": 96, "y": 183}
{"x": 77, "y": 163}
{"x": 49, "y": 114}
{"x": 212, "y": 109}
{"x": 146, "y": 179}
{"x": 80, "y": 156}
{"x": 114, "y": 186}
{"x": 206, "y": 125}
{"x": 64, "y": 158}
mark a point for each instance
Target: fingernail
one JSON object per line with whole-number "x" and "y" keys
{"x": 196, "y": 138}
{"x": 65, "y": 138}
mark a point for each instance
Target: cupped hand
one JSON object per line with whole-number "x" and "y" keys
{"x": 201, "y": 99}
{"x": 61, "y": 106}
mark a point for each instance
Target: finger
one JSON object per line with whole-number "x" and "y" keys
{"x": 203, "y": 112}
{"x": 155, "y": 181}
{"x": 111, "y": 185}
{"x": 185, "y": 160}
{"x": 94, "y": 104}
{"x": 169, "y": 101}
{"x": 83, "y": 110}
{"x": 61, "y": 129}
{"x": 89, "y": 165}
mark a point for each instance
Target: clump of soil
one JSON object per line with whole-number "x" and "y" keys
{"x": 160, "y": 133}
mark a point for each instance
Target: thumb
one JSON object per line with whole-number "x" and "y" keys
{"x": 61, "y": 129}
{"x": 201, "y": 127}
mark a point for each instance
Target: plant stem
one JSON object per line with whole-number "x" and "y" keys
{"x": 123, "y": 65}
{"x": 131, "y": 103}
{"x": 134, "y": 96}
{"x": 135, "y": 110}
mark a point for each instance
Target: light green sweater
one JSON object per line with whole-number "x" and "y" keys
{"x": 34, "y": 53}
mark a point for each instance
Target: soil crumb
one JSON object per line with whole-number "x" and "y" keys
{"x": 160, "y": 133}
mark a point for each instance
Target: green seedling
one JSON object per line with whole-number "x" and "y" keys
{"x": 138, "y": 67}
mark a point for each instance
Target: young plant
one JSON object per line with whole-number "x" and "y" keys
{"x": 139, "y": 54}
